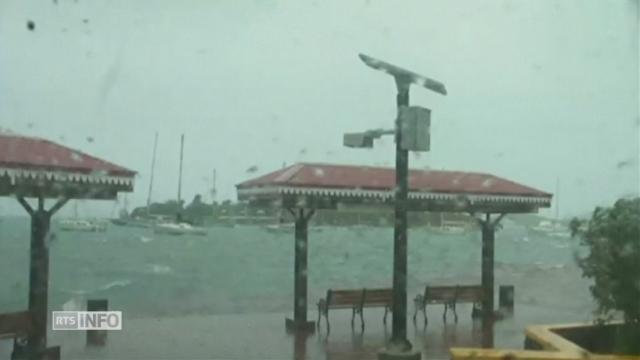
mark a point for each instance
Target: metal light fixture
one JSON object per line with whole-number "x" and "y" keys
{"x": 412, "y": 134}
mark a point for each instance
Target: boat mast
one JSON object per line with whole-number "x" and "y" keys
{"x": 213, "y": 188}
{"x": 179, "y": 208}
{"x": 557, "y": 199}
{"x": 153, "y": 167}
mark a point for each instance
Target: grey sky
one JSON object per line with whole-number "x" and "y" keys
{"x": 538, "y": 90}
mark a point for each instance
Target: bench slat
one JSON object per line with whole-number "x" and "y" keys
{"x": 378, "y": 297}
{"x": 460, "y": 293}
{"x": 344, "y": 298}
{"x": 348, "y": 298}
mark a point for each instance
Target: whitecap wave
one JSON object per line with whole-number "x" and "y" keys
{"x": 115, "y": 284}
{"x": 73, "y": 304}
{"x": 550, "y": 266}
{"x": 159, "y": 269}
{"x": 78, "y": 292}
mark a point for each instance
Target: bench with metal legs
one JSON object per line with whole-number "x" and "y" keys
{"x": 449, "y": 296}
{"x": 357, "y": 300}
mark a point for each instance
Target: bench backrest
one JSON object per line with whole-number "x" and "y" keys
{"x": 15, "y": 324}
{"x": 469, "y": 293}
{"x": 439, "y": 293}
{"x": 378, "y": 296}
{"x": 344, "y": 297}
{"x": 458, "y": 293}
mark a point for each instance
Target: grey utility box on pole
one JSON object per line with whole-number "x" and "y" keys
{"x": 415, "y": 123}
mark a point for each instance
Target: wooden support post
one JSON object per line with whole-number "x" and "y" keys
{"x": 39, "y": 283}
{"x": 299, "y": 322}
{"x": 487, "y": 339}
{"x": 97, "y": 337}
{"x": 36, "y": 339}
{"x": 488, "y": 242}
{"x": 488, "y": 267}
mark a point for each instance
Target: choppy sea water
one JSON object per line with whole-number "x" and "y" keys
{"x": 250, "y": 270}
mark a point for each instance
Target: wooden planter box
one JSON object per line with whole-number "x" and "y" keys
{"x": 556, "y": 342}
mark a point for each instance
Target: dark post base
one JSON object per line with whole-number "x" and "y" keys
{"x": 307, "y": 327}
{"x": 97, "y": 337}
{"x": 386, "y": 354}
{"x": 52, "y": 353}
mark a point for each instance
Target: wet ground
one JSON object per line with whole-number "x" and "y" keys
{"x": 226, "y": 296}
{"x": 263, "y": 336}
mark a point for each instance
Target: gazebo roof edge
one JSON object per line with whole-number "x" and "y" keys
{"x": 106, "y": 166}
{"x": 283, "y": 177}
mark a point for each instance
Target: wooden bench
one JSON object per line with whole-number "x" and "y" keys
{"x": 356, "y": 300}
{"x": 15, "y": 325}
{"x": 449, "y": 296}
{"x": 18, "y": 326}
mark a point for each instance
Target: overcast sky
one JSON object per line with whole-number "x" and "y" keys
{"x": 538, "y": 90}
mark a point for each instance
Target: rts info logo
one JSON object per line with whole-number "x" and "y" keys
{"x": 87, "y": 320}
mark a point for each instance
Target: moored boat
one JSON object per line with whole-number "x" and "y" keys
{"x": 551, "y": 228}
{"x": 170, "y": 228}
{"x": 83, "y": 225}
{"x": 451, "y": 227}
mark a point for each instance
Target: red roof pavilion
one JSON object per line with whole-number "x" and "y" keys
{"x": 303, "y": 188}
{"x": 57, "y": 171}
{"x": 327, "y": 185}
{"x": 38, "y": 168}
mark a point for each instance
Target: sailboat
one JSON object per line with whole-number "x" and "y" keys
{"x": 82, "y": 225}
{"x": 179, "y": 226}
{"x": 280, "y": 225}
{"x": 450, "y": 227}
{"x": 555, "y": 227}
{"x": 148, "y": 220}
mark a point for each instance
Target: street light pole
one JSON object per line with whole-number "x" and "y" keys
{"x": 399, "y": 346}
{"x": 399, "y": 308}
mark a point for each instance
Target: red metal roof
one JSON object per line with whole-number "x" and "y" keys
{"x": 21, "y": 152}
{"x": 376, "y": 178}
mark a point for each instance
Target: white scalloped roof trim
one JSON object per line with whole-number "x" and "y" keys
{"x": 387, "y": 195}
{"x": 16, "y": 174}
